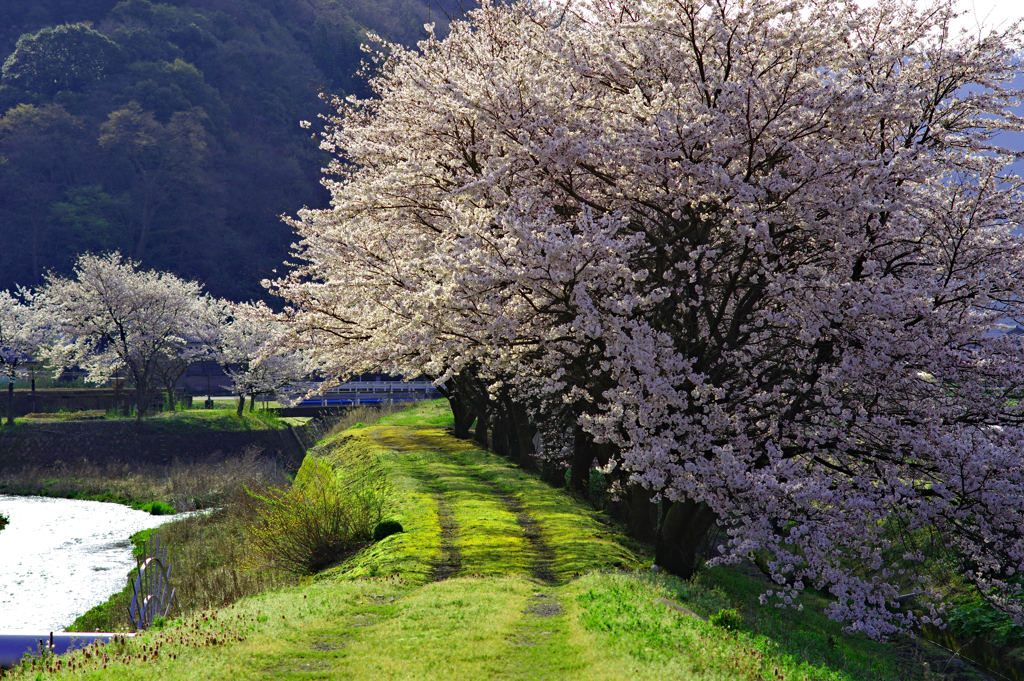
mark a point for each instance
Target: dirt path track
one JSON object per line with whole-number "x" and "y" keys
{"x": 452, "y": 536}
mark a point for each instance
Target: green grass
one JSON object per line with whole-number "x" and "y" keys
{"x": 598, "y": 612}
{"x": 429, "y": 413}
{"x": 213, "y": 420}
{"x": 182, "y": 421}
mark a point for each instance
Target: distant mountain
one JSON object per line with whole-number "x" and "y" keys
{"x": 170, "y": 131}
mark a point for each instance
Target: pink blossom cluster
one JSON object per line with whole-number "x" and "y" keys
{"x": 758, "y": 251}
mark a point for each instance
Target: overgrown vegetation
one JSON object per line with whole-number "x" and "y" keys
{"x": 181, "y": 486}
{"x": 207, "y": 553}
{"x": 328, "y": 513}
{"x": 980, "y": 619}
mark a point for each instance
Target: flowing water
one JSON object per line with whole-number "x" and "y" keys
{"x": 60, "y": 557}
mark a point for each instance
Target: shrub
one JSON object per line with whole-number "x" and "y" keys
{"x": 4, "y": 520}
{"x": 982, "y": 620}
{"x": 158, "y": 508}
{"x": 386, "y": 529}
{"x": 727, "y": 619}
{"x": 325, "y": 515}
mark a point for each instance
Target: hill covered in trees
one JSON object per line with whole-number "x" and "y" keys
{"x": 170, "y": 131}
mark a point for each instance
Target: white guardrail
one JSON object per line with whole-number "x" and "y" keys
{"x": 382, "y": 387}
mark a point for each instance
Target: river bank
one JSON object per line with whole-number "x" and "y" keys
{"x": 62, "y": 557}
{"x": 206, "y": 551}
{"x": 58, "y": 565}
{"x": 186, "y": 437}
{"x": 178, "y": 461}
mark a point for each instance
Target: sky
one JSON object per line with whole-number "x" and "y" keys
{"x": 990, "y": 13}
{"x": 995, "y": 14}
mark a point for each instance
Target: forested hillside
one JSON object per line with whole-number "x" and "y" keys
{"x": 170, "y": 131}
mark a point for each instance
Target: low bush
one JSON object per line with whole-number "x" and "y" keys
{"x": 386, "y": 529}
{"x": 982, "y": 620}
{"x": 4, "y": 521}
{"x": 328, "y": 513}
{"x": 157, "y": 508}
{"x": 727, "y": 619}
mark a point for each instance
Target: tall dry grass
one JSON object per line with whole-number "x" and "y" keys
{"x": 186, "y": 486}
{"x": 326, "y": 515}
{"x": 206, "y": 553}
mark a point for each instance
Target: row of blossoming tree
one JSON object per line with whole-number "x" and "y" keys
{"x": 747, "y": 257}
{"x": 113, "y": 319}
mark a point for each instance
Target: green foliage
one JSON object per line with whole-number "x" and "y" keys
{"x": 166, "y": 88}
{"x": 158, "y": 508}
{"x": 386, "y": 529}
{"x": 324, "y": 516}
{"x": 982, "y": 620}
{"x": 5, "y": 521}
{"x": 728, "y": 618}
{"x": 88, "y": 212}
{"x": 204, "y": 150}
{"x": 67, "y": 57}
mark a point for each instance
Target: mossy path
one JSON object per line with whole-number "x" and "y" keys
{"x": 465, "y": 485}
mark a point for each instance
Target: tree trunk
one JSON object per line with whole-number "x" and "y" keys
{"x": 683, "y": 528}
{"x": 461, "y": 411}
{"x": 583, "y": 456}
{"x": 525, "y": 432}
{"x": 252, "y": 403}
{"x": 553, "y": 473}
{"x": 464, "y": 416}
{"x": 10, "y": 402}
{"x": 141, "y": 402}
{"x": 170, "y": 397}
{"x": 499, "y": 431}
{"x": 483, "y": 419}
{"x": 641, "y": 514}
{"x": 241, "y": 404}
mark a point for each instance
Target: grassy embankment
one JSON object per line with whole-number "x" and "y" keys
{"x": 497, "y": 576}
{"x": 207, "y": 552}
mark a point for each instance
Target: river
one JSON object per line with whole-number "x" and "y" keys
{"x": 61, "y": 557}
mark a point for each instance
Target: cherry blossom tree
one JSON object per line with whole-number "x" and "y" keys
{"x": 199, "y": 340}
{"x": 748, "y": 257}
{"x": 253, "y": 356}
{"x": 22, "y": 332}
{"x": 112, "y": 316}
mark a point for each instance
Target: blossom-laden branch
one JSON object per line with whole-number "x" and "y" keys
{"x": 255, "y": 360}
